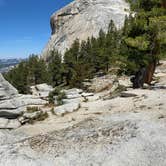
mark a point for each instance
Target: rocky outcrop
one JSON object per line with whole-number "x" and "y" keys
{"x": 41, "y": 90}
{"x": 66, "y": 108}
{"x": 82, "y": 19}
{"x": 9, "y": 124}
{"x": 13, "y": 105}
{"x": 6, "y": 89}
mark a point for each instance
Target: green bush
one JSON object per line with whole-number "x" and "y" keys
{"x": 33, "y": 109}
{"x": 59, "y": 96}
{"x": 40, "y": 115}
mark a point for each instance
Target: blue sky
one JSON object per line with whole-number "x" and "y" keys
{"x": 25, "y": 26}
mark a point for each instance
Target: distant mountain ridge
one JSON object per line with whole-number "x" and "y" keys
{"x": 82, "y": 19}
{"x": 7, "y": 64}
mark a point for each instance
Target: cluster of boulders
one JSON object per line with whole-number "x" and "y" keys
{"x": 72, "y": 101}
{"x": 13, "y": 105}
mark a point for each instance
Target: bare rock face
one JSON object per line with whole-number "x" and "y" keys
{"x": 12, "y": 104}
{"x": 82, "y": 19}
{"x": 41, "y": 90}
{"x": 6, "y": 89}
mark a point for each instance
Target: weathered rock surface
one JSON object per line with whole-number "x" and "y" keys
{"x": 82, "y": 19}
{"x": 73, "y": 93}
{"x": 41, "y": 90}
{"x": 9, "y": 124}
{"x": 6, "y": 89}
{"x": 14, "y": 107}
{"x": 66, "y": 108}
{"x": 12, "y": 104}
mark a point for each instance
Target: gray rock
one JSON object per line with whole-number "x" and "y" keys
{"x": 73, "y": 93}
{"x": 14, "y": 107}
{"x": 73, "y": 96}
{"x": 77, "y": 100}
{"x": 82, "y": 19}
{"x": 13, "y": 124}
{"x": 9, "y": 124}
{"x": 32, "y": 116}
{"x": 12, "y": 104}
{"x": 87, "y": 94}
{"x": 3, "y": 123}
{"x": 66, "y": 108}
{"x": 41, "y": 90}
{"x": 6, "y": 89}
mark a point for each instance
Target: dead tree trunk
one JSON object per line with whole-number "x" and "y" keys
{"x": 149, "y": 72}
{"x": 163, "y": 4}
{"x": 144, "y": 75}
{"x": 139, "y": 78}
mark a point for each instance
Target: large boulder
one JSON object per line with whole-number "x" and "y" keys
{"x": 32, "y": 117}
{"x": 82, "y": 19}
{"x": 6, "y": 89}
{"x": 9, "y": 124}
{"x": 41, "y": 90}
{"x": 13, "y": 105}
{"x": 73, "y": 93}
{"x": 66, "y": 108}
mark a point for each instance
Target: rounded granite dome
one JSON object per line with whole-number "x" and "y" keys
{"x": 82, "y": 19}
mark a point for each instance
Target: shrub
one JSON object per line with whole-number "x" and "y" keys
{"x": 59, "y": 96}
{"x": 39, "y": 116}
{"x": 33, "y": 109}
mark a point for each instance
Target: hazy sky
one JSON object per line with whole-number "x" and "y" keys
{"x": 25, "y": 26}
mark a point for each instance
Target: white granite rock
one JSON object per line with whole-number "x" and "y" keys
{"x": 12, "y": 104}
{"x": 9, "y": 124}
{"x": 87, "y": 94}
{"x": 6, "y": 89}
{"x": 66, "y": 108}
{"x": 41, "y": 90}
{"x": 14, "y": 107}
{"x": 82, "y": 19}
{"x": 73, "y": 93}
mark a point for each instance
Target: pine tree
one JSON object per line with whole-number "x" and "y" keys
{"x": 55, "y": 68}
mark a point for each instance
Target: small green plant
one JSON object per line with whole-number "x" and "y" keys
{"x": 41, "y": 116}
{"x": 53, "y": 93}
{"x": 59, "y": 96}
{"x": 33, "y": 109}
{"x": 52, "y": 111}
